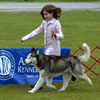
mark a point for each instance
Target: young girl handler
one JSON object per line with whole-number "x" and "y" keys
{"x": 51, "y": 28}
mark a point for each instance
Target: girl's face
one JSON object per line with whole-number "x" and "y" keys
{"x": 47, "y": 16}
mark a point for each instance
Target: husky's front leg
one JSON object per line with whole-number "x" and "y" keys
{"x": 38, "y": 84}
{"x": 49, "y": 83}
{"x": 66, "y": 77}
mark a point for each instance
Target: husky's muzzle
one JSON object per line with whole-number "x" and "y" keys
{"x": 27, "y": 62}
{"x": 30, "y": 60}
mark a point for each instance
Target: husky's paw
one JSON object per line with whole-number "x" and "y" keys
{"x": 90, "y": 83}
{"x": 61, "y": 90}
{"x": 30, "y": 91}
{"x": 51, "y": 86}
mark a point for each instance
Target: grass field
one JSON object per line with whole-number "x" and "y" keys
{"x": 78, "y": 27}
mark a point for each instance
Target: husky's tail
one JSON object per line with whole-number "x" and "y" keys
{"x": 86, "y": 53}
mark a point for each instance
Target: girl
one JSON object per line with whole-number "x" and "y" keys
{"x": 51, "y": 28}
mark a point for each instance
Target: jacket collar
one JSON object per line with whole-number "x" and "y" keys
{"x": 50, "y": 21}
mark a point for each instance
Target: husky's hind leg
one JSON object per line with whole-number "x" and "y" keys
{"x": 85, "y": 77}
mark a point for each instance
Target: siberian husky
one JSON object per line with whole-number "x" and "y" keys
{"x": 50, "y": 66}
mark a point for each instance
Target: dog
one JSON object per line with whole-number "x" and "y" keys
{"x": 50, "y": 66}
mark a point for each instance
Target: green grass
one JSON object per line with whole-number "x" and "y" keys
{"x": 78, "y": 27}
{"x": 49, "y": 0}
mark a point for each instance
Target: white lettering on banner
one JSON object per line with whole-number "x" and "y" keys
{"x": 23, "y": 68}
{"x": 26, "y": 69}
{"x": 7, "y": 65}
{"x": 21, "y": 61}
{"x": 31, "y": 76}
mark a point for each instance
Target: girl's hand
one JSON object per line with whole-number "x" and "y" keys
{"x": 53, "y": 34}
{"x": 22, "y": 41}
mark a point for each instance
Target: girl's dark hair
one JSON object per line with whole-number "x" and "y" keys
{"x": 51, "y": 9}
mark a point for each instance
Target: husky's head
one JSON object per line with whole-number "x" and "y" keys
{"x": 32, "y": 57}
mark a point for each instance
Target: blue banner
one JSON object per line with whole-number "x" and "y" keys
{"x": 13, "y": 70}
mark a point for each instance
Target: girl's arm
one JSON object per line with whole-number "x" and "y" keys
{"x": 33, "y": 33}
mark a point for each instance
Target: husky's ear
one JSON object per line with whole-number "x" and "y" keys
{"x": 37, "y": 51}
{"x": 33, "y": 50}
